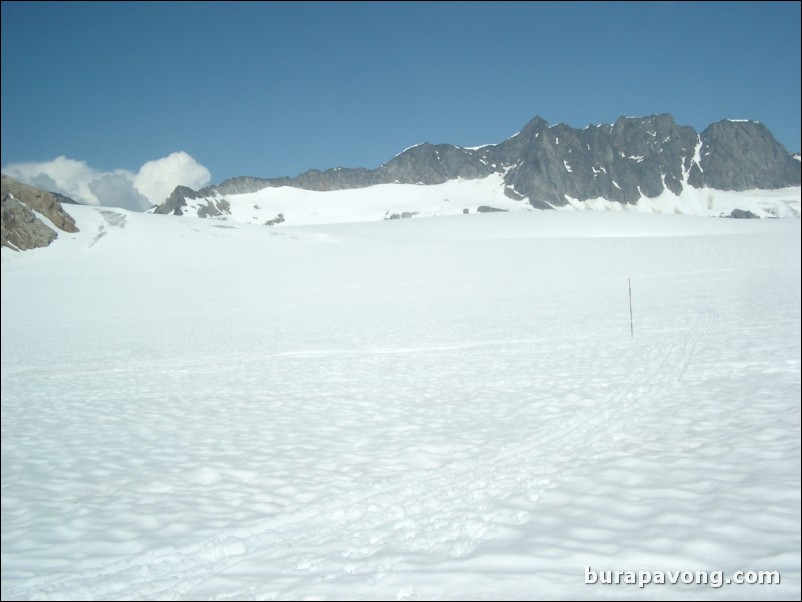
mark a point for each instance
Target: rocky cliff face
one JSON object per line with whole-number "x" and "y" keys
{"x": 620, "y": 162}
{"x": 632, "y": 158}
{"x": 21, "y": 228}
{"x": 742, "y": 155}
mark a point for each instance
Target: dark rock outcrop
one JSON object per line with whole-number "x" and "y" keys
{"x": 742, "y": 214}
{"x": 21, "y": 228}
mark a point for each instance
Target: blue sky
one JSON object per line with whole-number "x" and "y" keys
{"x": 272, "y": 89}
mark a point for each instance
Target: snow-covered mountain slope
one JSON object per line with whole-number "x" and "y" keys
{"x": 783, "y": 202}
{"x": 444, "y": 408}
{"x": 296, "y": 206}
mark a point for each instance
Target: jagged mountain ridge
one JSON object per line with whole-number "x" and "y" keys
{"x": 548, "y": 166}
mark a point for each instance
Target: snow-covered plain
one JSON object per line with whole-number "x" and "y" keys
{"x": 441, "y": 408}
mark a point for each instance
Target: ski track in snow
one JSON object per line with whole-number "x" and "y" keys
{"x": 490, "y": 436}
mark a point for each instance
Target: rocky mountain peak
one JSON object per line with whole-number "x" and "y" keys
{"x": 532, "y": 129}
{"x": 433, "y": 164}
{"x": 742, "y": 155}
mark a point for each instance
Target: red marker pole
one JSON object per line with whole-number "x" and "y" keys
{"x": 631, "y": 326}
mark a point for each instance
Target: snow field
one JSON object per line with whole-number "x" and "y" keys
{"x": 450, "y": 408}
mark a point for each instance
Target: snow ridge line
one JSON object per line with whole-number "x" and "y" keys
{"x": 446, "y": 507}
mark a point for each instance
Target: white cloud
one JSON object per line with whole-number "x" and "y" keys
{"x": 151, "y": 185}
{"x": 157, "y": 179}
{"x": 67, "y": 176}
{"x": 117, "y": 190}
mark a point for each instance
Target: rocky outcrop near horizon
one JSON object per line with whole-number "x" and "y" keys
{"x": 21, "y": 228}
{"x": 548, "y": 166}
